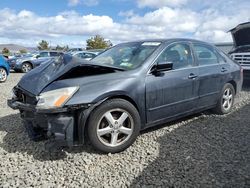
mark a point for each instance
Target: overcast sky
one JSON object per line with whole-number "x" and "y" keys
{"x": 71, "y": 22}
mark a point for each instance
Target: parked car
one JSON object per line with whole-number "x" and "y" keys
{"x": 73, "y": 50}
{"x": 241, "y": 50}
{"x": 30, "y": 61}
{"x": 129, "y": 87}
{"x": 85, "y": 55}
{"x": 4, "y": 69}
{"x": 97, "y": 51}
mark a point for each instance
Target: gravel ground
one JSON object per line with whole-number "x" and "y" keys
{"x": 203, "y": 150}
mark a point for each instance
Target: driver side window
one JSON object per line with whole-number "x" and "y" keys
{"x": 179, "y": 54}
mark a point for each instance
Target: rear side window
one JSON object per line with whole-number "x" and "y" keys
{"x": 44, "y": 54}
{"x": 205, "y": 55}
{"x": 54, "y": 54}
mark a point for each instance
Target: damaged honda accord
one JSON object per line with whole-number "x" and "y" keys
{"x": 128, "y": 88}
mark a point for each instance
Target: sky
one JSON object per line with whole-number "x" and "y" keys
{"x": 71, "y": 22}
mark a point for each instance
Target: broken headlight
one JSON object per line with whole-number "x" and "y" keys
{"x": 55, "y": 98}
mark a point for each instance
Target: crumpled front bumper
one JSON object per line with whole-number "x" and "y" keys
{"x": 59, "y": 125}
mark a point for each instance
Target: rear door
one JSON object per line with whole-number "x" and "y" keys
{"x": 173, "y": 92}
{"x": 209, "y": 74}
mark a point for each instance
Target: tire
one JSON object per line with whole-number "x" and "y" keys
{"x": 3, "y": 75}
{"x": 113, "y": 126}
{"x": 227, "y": 94}
{"x": 26, "y": 67}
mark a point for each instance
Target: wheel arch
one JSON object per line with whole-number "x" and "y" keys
{"x": 29, "y": 62}
{"x": 85, "y": 117}
{"x": 4, "y": 69}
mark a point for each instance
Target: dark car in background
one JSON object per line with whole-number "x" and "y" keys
{"x": 4, "y": 69}
{"x": 127, "y": 88}
{"x": 30, "y": 61}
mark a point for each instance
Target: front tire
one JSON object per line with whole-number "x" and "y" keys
{"x": 226, "y": 101}
{"x": 113, "y": 126}
{"x": 3, "y": 75}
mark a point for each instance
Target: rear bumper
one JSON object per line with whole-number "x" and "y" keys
{"x": 60, "y": 126}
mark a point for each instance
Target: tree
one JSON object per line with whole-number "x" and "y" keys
{"x": 5, "y": 51}
{"x": 98, "y": 42}
{"x": 43, "y": 45}
{"x": 59, "y": 48}
{"x": 23, "y": 51}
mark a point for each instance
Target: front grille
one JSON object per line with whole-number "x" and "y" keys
{"x": 25, "y": 97}
{"x": 242, "y": 58}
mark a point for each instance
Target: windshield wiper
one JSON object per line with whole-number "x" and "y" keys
{"x": 105, "y": 66}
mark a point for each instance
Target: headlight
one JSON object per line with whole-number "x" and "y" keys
{"x": 56, "y": 98}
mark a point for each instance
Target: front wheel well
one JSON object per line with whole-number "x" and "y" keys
{"x": 28, "y": 62}
{"x": 124, "y": 97}
{"x": 1, "y": 67}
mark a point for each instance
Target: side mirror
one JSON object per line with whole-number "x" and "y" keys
{"x": 38, "y": 56}
{"x": 162, "y": 66}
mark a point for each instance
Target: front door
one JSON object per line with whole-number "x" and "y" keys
{"x": 172, "y": 92}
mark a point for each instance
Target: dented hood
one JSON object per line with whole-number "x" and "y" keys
{"x": 241, "y": 34}
{"x": 37, "y": 79}
{"x": 66, "y": 67}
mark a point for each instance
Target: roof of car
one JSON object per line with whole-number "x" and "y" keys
{"x": 169, "y": 40}
{"x": 50, "y": 51}
{"x": 84, "y": 51}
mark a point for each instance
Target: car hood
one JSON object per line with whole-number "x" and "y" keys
{"x": 64, "y": 68}
{"x": 241, "y": 34}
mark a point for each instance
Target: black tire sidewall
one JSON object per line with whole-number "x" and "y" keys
{"x": 98, "y": 113}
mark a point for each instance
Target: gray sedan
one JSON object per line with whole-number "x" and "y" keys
{"x": 124, "y": 90}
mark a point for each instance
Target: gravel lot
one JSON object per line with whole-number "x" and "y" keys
{"x": 203, "y": 150}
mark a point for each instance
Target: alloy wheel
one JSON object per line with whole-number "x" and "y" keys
{"x": 26, "y": 67}
{"x": 115, "y": 127}
{"x": 227, "y": 99}
{"x": 3, "y": 75}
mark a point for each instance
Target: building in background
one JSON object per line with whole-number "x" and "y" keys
{"x": 226, "y": 47}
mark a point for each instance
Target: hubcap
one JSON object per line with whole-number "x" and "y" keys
{"x": 26, "y": 67}
{"x": 3, "y": 75}
{"x": 227, "y": 99}
{"x": 115, "y": 127}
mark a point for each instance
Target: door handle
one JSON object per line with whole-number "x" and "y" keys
{"x": 192, "y": 76}
{"x": 223, "y": 69}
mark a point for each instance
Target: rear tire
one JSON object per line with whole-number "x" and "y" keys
{"x": 113, "y": 126}
{"x": 26, "y": 67}
{"x": 3, "y": 75}
{"x": 226, "y": 100}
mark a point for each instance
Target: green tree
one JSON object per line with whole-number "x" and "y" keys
{"x": 59, "y": 48}
{"x": 43, "y": 45}
{"x": 62, "y": 48}
{"x": 23, "y": 51}
{"x": 5, "y": 51}
{"x": 98, "y": 42}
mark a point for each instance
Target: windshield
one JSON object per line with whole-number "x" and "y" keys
{"x": 126, "y": 56}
